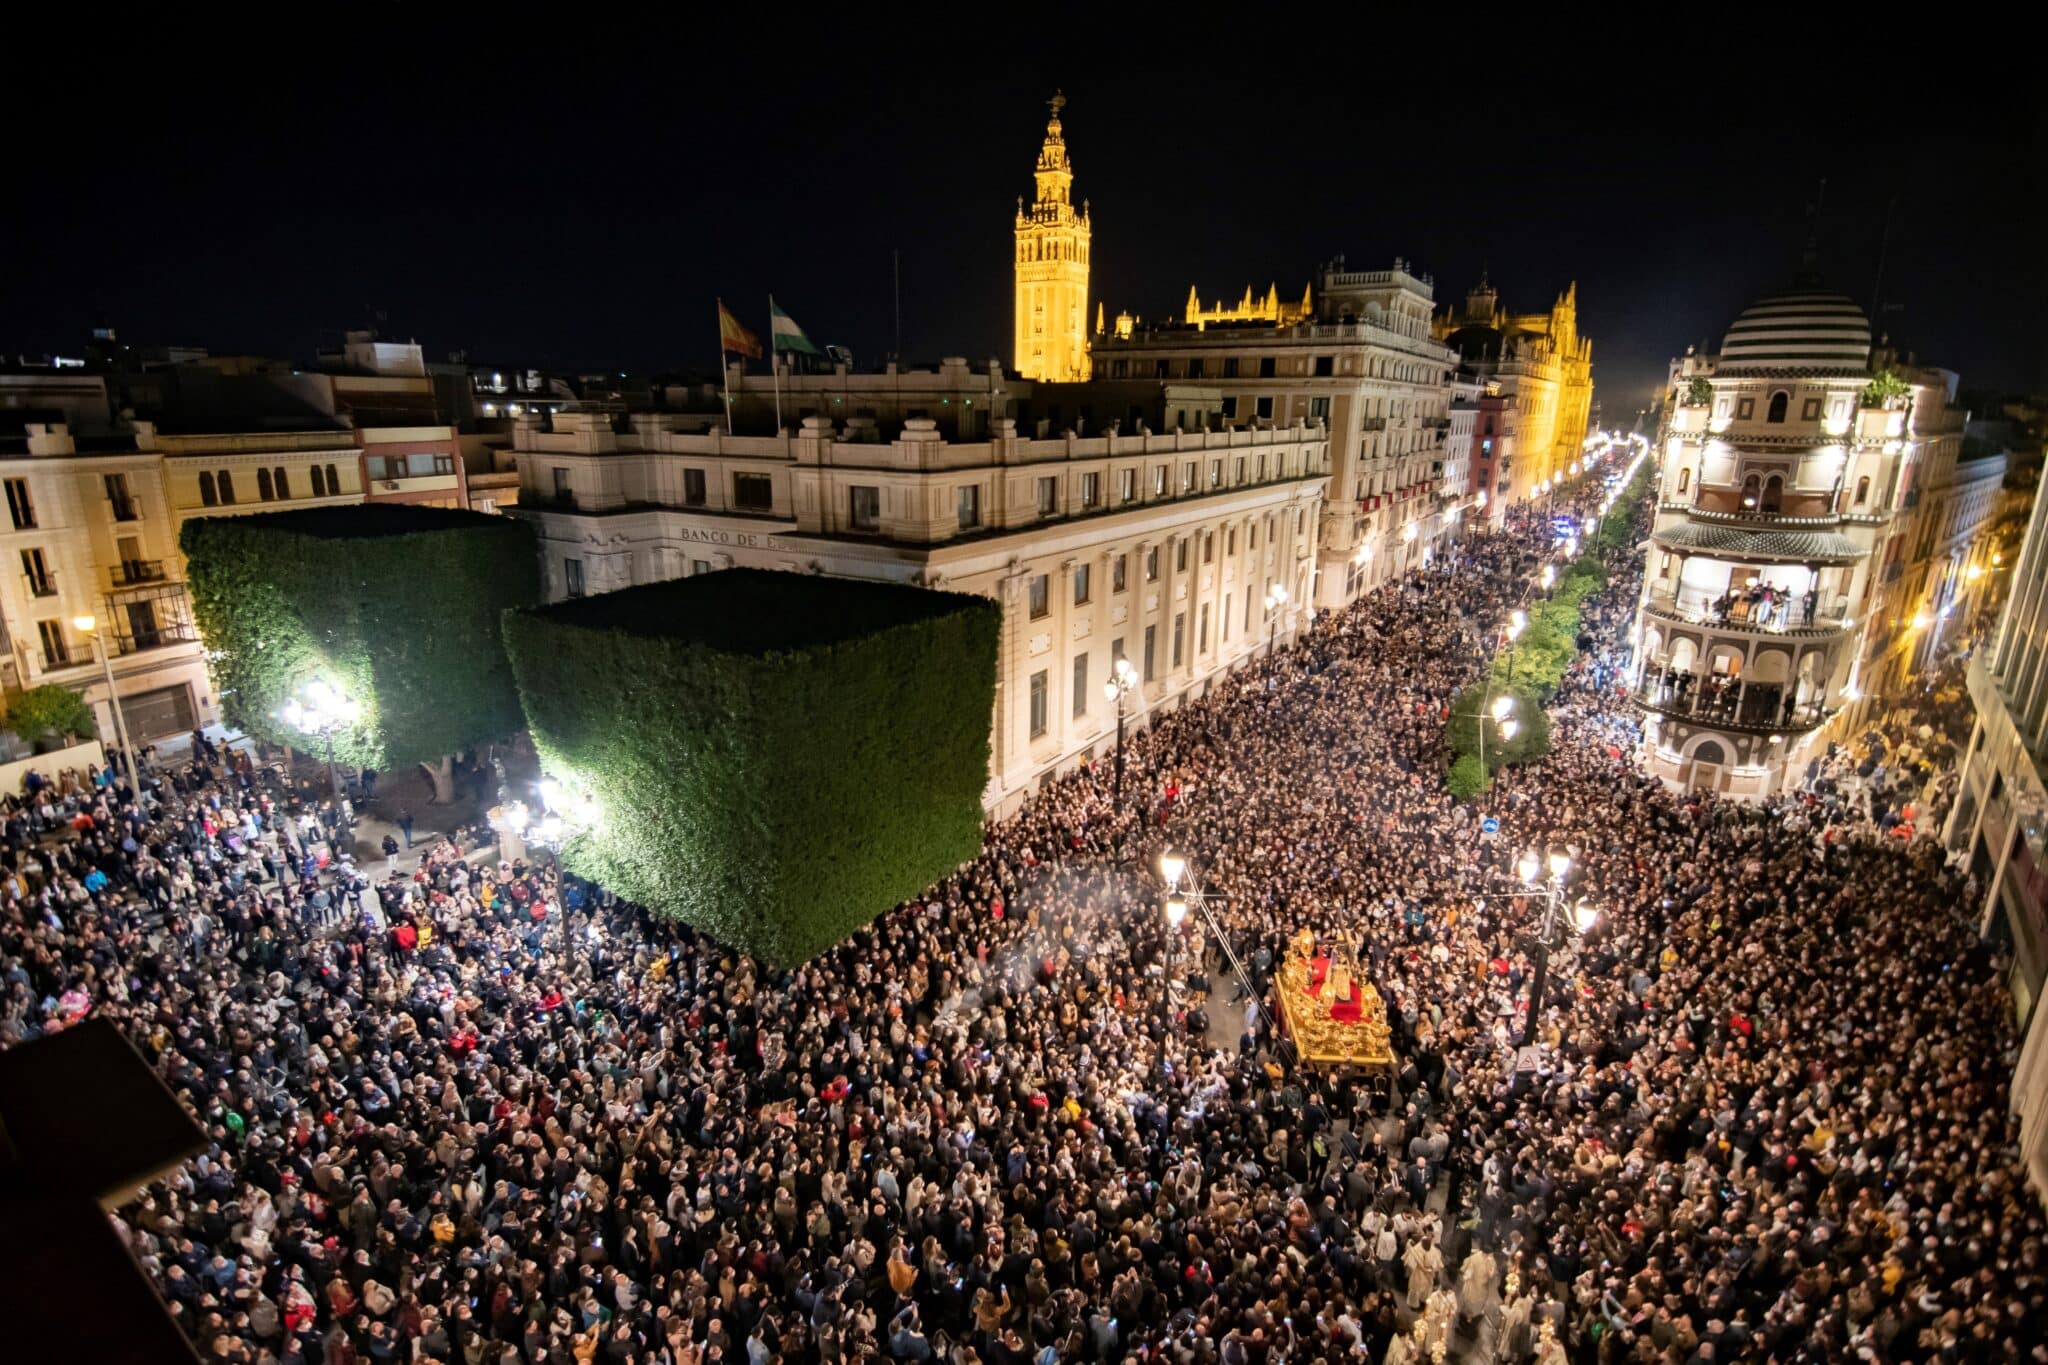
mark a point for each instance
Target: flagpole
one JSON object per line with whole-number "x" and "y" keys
{"x": 774, "y": 370}
{"x": 724, "y": 375}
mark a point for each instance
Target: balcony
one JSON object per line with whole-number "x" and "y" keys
{"x": 1760, "y": 712}
{"x": 1750, "y": 518}
{"x": 133, "y": 572}
{"x": 125, "y": 509}
{"x": 1691, "y": 610}
{"x": 1374, "y": 424}
{"x": 40, "y": 585}
{"x": 54, "y": 659}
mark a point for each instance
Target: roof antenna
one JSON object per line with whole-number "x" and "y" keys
{"x": 1809, "y": 261}
{"x": 1884, "y": 243}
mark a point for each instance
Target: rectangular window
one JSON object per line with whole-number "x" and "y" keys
{"x": 1130, "y": 485}
{"x": 864, "y": 508}
{"x": 36, "y": 571}
{"x": 1247, "y": 611}
{"x": 123, "y": 502}
{"x": 698, "y": 566}
{"x": 1091, "y": 490}
{"x": 1119, "y": 573}
{"x": 1041, "y": 585}
{"x": 1319, "y": 407}
{"x": 693, "y": 487}
{"x": 1230, "y": 407}
{"x": 969, "y": 498}
{"x": 753, "y": 492}
{"x": 1180, "y": 621}
{"x": 572, "y": 576}
{"x": 1083, "y": 585}
{"x": 1151, "y": 651}
{"x": 1215, "y": 473}
{"x": 1187, "y": 477}
{"x": 1159, "y": 369}
{"x": 1152, "y": 564}
{"x": 1265, "y": 405}
{"x": 56, "y": 654}
{"x": 1744, "y": 409}
{"x": 1326, "y": 365}
{"x": 1268, "y": 367}
{"x": 1080, "y": 702}
{"x": 1226, "y": 618}
{"x": 1810, "y": 410}
{"x": 1208, "y": 547}
{"x": 1159, "y": 481}
{"x": 1202, "y": 631}
{"x": 1180, "y": 555}
{"x": 1048, "y": 496}
{"x": 1230, "y": 367}
{"x": 1038, "y": 709}
{"x": 1116, "y": 651}
{"x": 1240, "y": 469}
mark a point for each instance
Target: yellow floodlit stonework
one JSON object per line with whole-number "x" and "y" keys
{"x": 1052, "y": 268}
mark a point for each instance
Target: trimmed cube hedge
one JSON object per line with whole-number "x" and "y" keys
{"x": 399, "y": 606}
{"x": 777, "y": 758}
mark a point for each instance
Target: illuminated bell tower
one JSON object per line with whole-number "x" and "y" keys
{"x": 1052, "y": 268}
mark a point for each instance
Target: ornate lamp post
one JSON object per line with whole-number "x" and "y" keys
{"x": 1184, "y": 889}
{"x": 1123, "y": 679}
{"x": 1502, "y": 710}
{"x": 1276, "y": 598}
{"x": 1529, "y": 870}
{"x": 321, "y": 709}
{"x": 563, "y": 816}
{"x": 1518, "y": 621}
{"x": 87, "y": 625}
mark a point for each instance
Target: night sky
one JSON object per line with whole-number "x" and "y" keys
{"x": 536, "y": 194}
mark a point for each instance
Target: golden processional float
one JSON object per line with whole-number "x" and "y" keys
{"x": 1333, "y": 1015}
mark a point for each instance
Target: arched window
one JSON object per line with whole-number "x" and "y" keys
{"x": 227, "y": 488}
{"x": 283, "y": 482}
{"x": 1779, "y": 402}
{"x": 263, "y": 488}
{"x": 1863, "y": 490}
{"x": 207, "y": 496}
{"x": 333, "y": 483}
{"x": 1752, "y": 488}
{"x": 1709, "y": 752}
{"x": 1684, "y": 479}
{"x": 319, "y": 483}
{"x": 1774, "y": 493}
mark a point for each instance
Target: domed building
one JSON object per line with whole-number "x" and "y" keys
{"x": 1784, "y": 470}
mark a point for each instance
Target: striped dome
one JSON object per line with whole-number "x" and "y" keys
{"x": 1811, "y": 330}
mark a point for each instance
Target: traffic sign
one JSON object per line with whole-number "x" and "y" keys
{"x": 1489, "y": 825}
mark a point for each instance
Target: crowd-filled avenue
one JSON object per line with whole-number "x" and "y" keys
{"x": 452, "y": 1119}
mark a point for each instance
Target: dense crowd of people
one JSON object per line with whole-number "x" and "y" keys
{"x": 466, "y": 1114}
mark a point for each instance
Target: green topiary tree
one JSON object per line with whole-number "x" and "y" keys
{"x": 1885, "y": 389}
{"x": 50, "y": 710}
{"x": 1699, "y": 392}
{"x": 775, "y": 758}
{"x": 1467, "y": 778}
{"x": 397, "y": 606}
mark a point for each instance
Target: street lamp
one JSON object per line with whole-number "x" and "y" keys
{"x": 1501, "y": 709}
{"x": 321, "y": 709}
{"x": 87, "y": 625}
{"x": 1122, "y": 680}
{"x": 1548, "y": 576}
{"x": 1276, "y": 598}
{"x": 1583, "y": 916}
{"x": 1184, "y": 893}
{"x": 563, "y": 815}
{"x": 1518, "y": 621}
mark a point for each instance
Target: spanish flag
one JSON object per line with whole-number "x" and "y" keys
{"x": 734, "y": 337}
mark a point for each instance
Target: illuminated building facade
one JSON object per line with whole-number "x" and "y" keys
{"x": 1052, "y": 268}
{"x": 1542, "y": 370}
{"x": 1999, "y": 823}
{"x": 1801, "y": 505}
{"x": 1363, "y": 362}
{"x": 1269, "y": 309}
{"x": 1160, "y": 540}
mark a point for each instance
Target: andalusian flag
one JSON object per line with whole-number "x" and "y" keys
{"x": 785, "y": 334}
{"x": 734, "y": 337}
